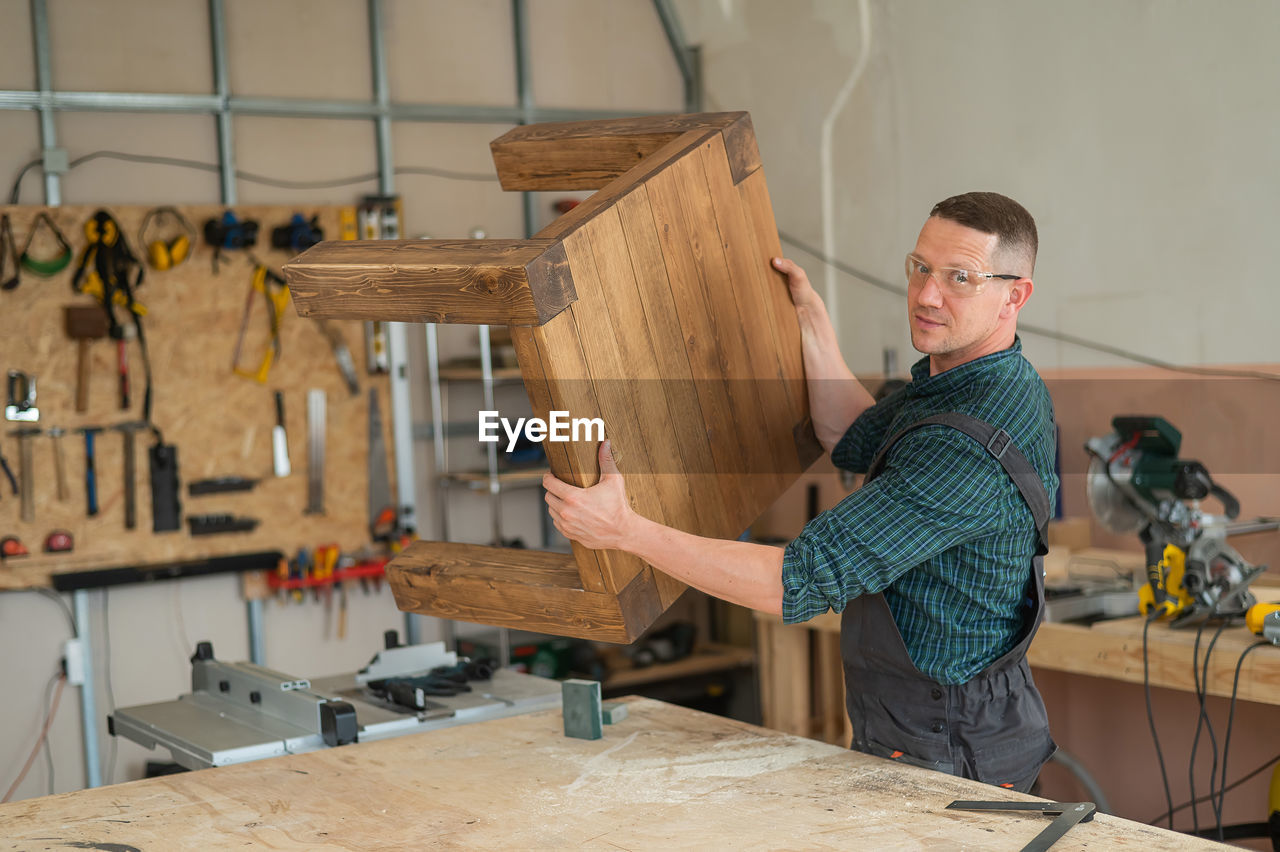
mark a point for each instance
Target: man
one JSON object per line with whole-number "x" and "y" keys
{"x": 931, "y": 560}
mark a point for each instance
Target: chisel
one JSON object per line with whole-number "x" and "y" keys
{"x": 279, "y": 440}
{"x": 59, "y": 462}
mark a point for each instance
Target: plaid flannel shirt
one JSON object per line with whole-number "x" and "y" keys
{"x": 942, "y": 531}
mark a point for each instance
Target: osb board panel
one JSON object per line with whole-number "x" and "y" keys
{"x": 220, "y": 422}
{"x": 664, "y": 777}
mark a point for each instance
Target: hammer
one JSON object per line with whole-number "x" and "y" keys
{"x": 59, "y": 462}
{"x": 84, "y": 323}
{"x": 26, "y": 473}
{"x": 90, "y": 475}
{"x": 128, "y": 431}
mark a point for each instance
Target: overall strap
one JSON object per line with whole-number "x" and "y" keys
{"x": 1000, "y": 445}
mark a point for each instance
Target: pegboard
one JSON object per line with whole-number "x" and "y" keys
{"x": 220, "y": 422}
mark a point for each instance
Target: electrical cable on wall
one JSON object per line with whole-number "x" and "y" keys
{"x": 832, "y": 262}
{"x": 250, "y": 177}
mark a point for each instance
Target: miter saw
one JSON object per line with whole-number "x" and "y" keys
{"x": 1137, "y": 483}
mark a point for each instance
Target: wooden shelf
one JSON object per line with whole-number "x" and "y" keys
{"x": 479, "y": 479}
{"x": 706, "y": 659}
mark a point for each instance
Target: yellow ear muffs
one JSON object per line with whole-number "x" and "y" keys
{"x": 179, "y": 249}
{"x": 159, "y": 255}
{"x": 168, "y": 251}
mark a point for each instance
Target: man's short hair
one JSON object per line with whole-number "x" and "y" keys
{"x": 993, "y": 213}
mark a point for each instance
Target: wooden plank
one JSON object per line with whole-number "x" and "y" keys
{"x": 569, "y": 382}
{"x": 723, "y": 433}
{"x": 658, "y": 305}
{"x": 759, "y": 212}
{"x": 639, "y": 362}
{"x": 574, "y": 155}
{"x": 626, "y": 184}
{"x": 609, "y": 377}
{"x": 645, "y": 785}
{"x": 754, "y": 470}
{"x": 565, "y": 464}
{"x": 749, "y": 282}
{"x": 525, "y": 589}
{"x": 502, "y": 282}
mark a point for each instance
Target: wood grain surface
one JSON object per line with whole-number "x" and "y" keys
{"x": 652, "y": 306}
{"x": 574, "y": 155}
{"x": 665, "y": 777}
{"x": 500, "y": 282}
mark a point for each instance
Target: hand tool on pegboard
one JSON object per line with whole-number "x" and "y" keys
{"x": 298, "y": 234}
{"x": 341, "y": 354}
{"x": 110, "y": 272}
{"x": 26, "y": 471}
{"x": 276, "y": 295}
{"x": 280, "y": 441}
{"x": 83, "y": 324}
{"x": 315, "y": 451}
{"x": 383, "y": 517}
{"x": 8, "y": 472}
{"x": 21, "y": 398}
{"x": 128, "y": 431}
{"x": 229, "y": 233}
{"x": 59, "y": 462}
{"x": 90, "y": 469}
{"x": 166, "y": 507}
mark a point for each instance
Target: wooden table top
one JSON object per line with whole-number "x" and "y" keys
{"x": 663, "y": 777}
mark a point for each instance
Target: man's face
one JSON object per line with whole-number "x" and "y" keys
{"x": 956, "y": 329}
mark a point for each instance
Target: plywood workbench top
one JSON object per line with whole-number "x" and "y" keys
{"x": 665, "y": 777}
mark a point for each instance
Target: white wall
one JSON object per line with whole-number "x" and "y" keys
{"x": 1142, "y": 134}
{"x": 586, "y": 54}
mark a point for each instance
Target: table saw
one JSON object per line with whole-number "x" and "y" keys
{"x": 238, "y": 712}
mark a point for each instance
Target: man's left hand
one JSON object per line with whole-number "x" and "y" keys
{"x": 597, "y": 517}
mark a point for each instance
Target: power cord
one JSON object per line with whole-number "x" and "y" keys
{"x": 250, "y": 177}
{"x": 1151, "y": 719}
{"x": 1231, "y": 718}
{"x": 44, "y": 734}
{"x": 1234, "y": 784}
{"x": 1040, "y": 331}
{"x": 1203, "y": 721}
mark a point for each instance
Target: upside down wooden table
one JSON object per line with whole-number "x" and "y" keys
{"x": 664, "y": 777}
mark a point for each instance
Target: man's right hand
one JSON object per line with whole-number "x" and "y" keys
{"x": 836, "y": 398}
{"x": 802, "y": 293}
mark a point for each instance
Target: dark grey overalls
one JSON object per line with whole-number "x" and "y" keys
{"x": 992, "y": 728}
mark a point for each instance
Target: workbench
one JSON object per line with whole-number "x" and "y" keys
{"x": 663, "y": 777}
{"x": 802, "y": 686}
